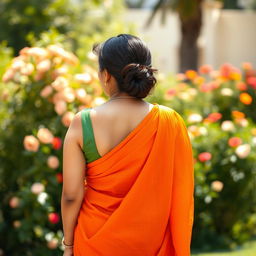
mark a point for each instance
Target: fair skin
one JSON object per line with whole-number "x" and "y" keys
{"x": 117, "y": 126}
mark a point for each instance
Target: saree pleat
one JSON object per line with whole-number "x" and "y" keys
{"x": 139, "y": 196}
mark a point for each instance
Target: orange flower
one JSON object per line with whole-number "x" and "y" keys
{"x": 245, "y": 98}
{"x": 241, "y": 86}
{"x": 238, "y": 114}
{"x": 199, "y": 80}
{"x": 191, "y": 74}
{"x": 247, "y": 65}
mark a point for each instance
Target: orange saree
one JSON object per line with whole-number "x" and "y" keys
{"x": 139, "y": 197}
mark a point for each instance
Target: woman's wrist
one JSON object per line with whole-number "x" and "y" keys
{"x": 66, "y": 245}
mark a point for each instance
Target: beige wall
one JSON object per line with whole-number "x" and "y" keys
{"x": 226, "y": 36}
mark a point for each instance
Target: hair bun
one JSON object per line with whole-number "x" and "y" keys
{"x": 138, "y": 79}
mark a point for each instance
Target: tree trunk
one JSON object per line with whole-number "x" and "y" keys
{"x": 190, "y": 31}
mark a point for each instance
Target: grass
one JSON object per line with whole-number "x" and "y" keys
{"x": 248, "y": 249}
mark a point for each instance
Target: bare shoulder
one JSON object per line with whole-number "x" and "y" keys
{"x": 75, "y": 127}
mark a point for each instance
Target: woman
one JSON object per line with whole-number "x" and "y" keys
{"x": 127, "y": 165}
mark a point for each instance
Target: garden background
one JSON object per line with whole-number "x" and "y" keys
{"x": 48, "y": 73}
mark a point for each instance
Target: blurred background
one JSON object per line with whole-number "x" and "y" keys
{"x": 205, "y": 54}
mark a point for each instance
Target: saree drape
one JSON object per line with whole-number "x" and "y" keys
{"x": 139, "y": 197}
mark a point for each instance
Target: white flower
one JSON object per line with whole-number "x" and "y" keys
{"x": 227, "y": 125}
{"x": 203, "y": 130}
{"x": 254, "y": 140}
{"x": 226, "y": 92}
{"x": 41, "y": 198}
{"x": 243, "y": 150}
{"x": 83, "y": 78}
{"x": 194, "y": 118}
{"x": 208, "y": 199}
{"x": 49, "y": 236}
{"x": 37, "y": 188}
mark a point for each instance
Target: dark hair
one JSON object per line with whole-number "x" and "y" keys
{"x": 128, "y": 59}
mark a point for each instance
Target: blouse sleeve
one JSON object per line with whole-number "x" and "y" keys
{"x": 182, "y": 205}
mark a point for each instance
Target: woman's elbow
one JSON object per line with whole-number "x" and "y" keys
{"x": 70, "y": 196}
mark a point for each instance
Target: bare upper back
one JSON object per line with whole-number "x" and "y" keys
{"x": 112, "y": 122}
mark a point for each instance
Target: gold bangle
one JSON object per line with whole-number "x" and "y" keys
{"x": 66, "y": 245}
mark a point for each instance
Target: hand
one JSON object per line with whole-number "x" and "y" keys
{"x": 68, "y": 252}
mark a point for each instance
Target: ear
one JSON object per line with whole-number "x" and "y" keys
{"x": 107, "y": 75}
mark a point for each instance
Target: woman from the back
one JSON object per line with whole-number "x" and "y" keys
{"x": 128, "y": 176}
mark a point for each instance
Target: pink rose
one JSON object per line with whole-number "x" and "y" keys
{"x": 53, "y": 162}
{"x": 67, "y": 118}
{"x": 81, "y": 94}
{"x": 68, "y": 94}
{"x": 205, "y": 69}
{"x": 217, "y": 185}
{"x": 31, "y": 143}
{"x": 14, "y": 202}
{"x": 38, "y": 52}
{"x": 204, "y": 156}
{"x": 8, "y": 75}
{"x": 17, "y": 64}
{"x": 43, "y": 66}
{"x": 46, "y": 91}
{"x": 37, "y": 188}
{"x": 39, "y": 76}
{"x": 53, "y": 243}
{"x": 16, "y": 223}
{"x": 27, "y": 69}
{"x": 83, "y": 78}
{"x": 59, "y": 71}
{"x": 60, "y": 107}
{"x": 45, "y": 135}
{"x": 60, "y": 83}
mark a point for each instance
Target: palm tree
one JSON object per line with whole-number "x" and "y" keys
{"x": 190, "y": 15}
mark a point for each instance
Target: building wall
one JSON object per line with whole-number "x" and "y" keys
{"x": 226, "y": 36}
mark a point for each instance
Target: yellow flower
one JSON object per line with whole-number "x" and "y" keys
{"x": 245, "y": 98}
{"x": 191, "y": 74}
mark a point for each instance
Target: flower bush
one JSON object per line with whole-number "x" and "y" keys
{"x": 44, "y": 87}
{"x": 219, "y": 109}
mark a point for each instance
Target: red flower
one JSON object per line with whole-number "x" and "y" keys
{"x": 234, "y": 141}
{"x": 53, "y": 217}
{"x": 214, "y": 117}
{"x": 56, "y": 143}
{"x": 204, "y": 156}
{"x": 59, "y": 177}
{"x": 252, "y": 81}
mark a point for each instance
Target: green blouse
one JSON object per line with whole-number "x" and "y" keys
{"x": 89, "y": 146}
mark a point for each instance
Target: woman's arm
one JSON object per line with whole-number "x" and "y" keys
{"x": 73, "y": 178}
